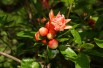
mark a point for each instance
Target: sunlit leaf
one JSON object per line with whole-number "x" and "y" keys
{"x": 26, "y": 63}
{"x": 26, "y": 34}
{"x": 87, "y": 45}
{"x": 29, "y": 63}
{"x": 35, "y": 1}
{"x": 99, "y": 42}
{"x": 95, "y": 18}
{"x": 76, "y": 36}
{"x": 36, "y": 65}
{"x": 68, "y": 53}
{"x": 68, "y": 2}
{"x": 82, "y": 61}
{"x": 63, "y": 39}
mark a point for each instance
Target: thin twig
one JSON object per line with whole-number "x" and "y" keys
{"x": 70, "y": 8}
{"x": 11, "y": 57}
{"x": 28, "y": 8}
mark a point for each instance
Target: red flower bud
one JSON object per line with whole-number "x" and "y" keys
{"x": 44, "y": 41}
{"x": 53, "y": 44}
{"x": 91, "y": 22}
{"x": 37, "y": 36}
{"x": 49, "y": 26}
{"x": 52, "y": 32}
{"x": 50, "y": 36}
{"x": 43, "y": 31}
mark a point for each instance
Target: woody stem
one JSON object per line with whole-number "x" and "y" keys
{"x": 11, "y": 57}
{"x": 70, "y": 8}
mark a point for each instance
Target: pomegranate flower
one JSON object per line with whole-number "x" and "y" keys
{"x": 59, "y": 21}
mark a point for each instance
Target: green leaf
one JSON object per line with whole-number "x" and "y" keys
{"x": 26, "y": 34}
{"x": 95, "y": 18}
{"x": 63, "y": 39}
{"x": 98, "y": 53}
{"x": 99, "y": 24}
{"x": 68, "y": 2}
{"x": 29, "y": 63}
{"x": 2, "y": 59}
{"x": 7, "y": 2}
{"x": 82, "y": 61}
{"x": 26, "y": 63}
{"x": 87, "y": 46}
{"x": 36, "y": 65}
{"x": 76, "y": 36}
{"x": 68, "y": 53}
{"x": 99, "y": 42}
{"x": 51, "y": 53}
{"x": 35, "y": 1}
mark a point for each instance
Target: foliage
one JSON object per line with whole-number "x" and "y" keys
{"x": 78, "y": 47}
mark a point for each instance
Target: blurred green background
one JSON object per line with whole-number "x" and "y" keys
{"x": 20, "y": 19}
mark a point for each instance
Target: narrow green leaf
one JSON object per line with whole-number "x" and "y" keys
{"x": 99, "y": 42}
{"x": 95, "y": 52}
{"x": 36, "y": 65}
{"x": 63, "y": 39}
{"x": 82, "y": 61}
{"x": 26, "y": 34}
{"x": 67, "y": 2}
{"x": 87, "y": 46}
{"x": 76, "y": 36}
{"x": 99, "y": 24}
{"x": 7, "y": 2}
{"x": 29, "y": 63}
{"x": 68, "y": 53}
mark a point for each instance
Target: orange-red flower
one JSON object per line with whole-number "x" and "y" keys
{"x": 48, "y": 32}
{"x": 59, "y": 21}
{"x": 51, "y": 34}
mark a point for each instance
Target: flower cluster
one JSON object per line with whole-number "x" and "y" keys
{"x": 55, "y": 24}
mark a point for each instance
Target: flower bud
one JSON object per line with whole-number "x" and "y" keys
{"x": 53, "y": 44}
{"x": 50, "y": 36}
{"x": 37, "y": 36}
{"x": 43, "y": 31}
{"x": 44, "y": 41}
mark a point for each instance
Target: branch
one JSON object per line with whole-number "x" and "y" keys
{"x": 11, "y": 57}
{"x": 28, "y": 8}
{"x": 70, "y": 8}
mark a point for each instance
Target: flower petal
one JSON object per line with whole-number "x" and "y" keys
{"x": 58, "y": 15}
{"x": 58, "y": 22}
{"x": 68, "y": 20}
{"x": 68, "y": 27}
{"x": 51, "y": 15}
